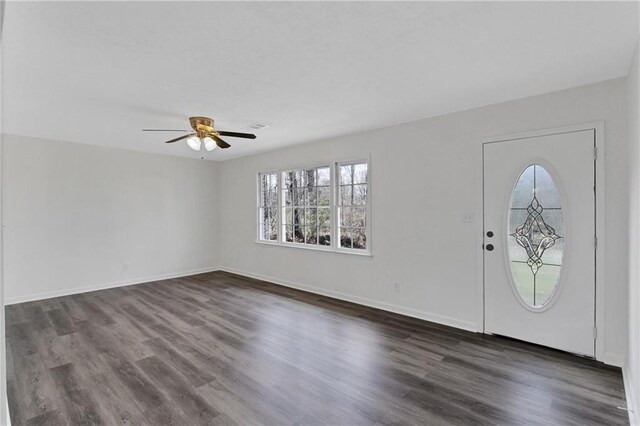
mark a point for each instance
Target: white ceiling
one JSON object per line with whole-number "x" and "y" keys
{"x": 97, "y": 73}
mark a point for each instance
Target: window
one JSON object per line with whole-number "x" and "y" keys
{"x": 268, "y": 206}
{"x": 536, "y": 244}
{"x": 306, "y": 213}
{"x": 323, "y": 207}
{"x": 352, "y": 206}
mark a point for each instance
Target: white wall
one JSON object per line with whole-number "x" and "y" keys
{"x": 632, "y": 369}
{"x": 74, "y": 214}
{"x": 438, "y": 159}
{"x": 4, "y": 412}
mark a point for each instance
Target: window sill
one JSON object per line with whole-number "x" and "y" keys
{"x": 312, "y": 248}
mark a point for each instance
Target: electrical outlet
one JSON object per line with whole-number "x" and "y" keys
{"x": 396, "y": 287}
{"x": 467, "y": 218}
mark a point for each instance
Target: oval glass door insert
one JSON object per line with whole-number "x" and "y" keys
{"x": 535, "y": 243}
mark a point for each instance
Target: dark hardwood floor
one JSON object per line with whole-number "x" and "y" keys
{"x": 222, "y": 349}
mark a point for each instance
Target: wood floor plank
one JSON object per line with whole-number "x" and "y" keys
{"x": 80, "y": 407}
{"x": 180, "y": 393}
{"x": 146, "y": 394}
{"x": 34, "y": 391}
{"x": 222, "y": 349}
{"x": 196, "y": 376}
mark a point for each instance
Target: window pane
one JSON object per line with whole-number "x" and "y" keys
{"x": 345, "y": 195}
{"x": 273, "y": 224}
{"x": 346, "y": 217}
{"x": 273, "y": 182}
{"x": 346, "y": 174}
{"x": 310, "y": 178}
{"x": 360, "y": 194}
{"x": 268, "y": 224}
{"x": 359, "y": 238}
{"x": 288, "y": 216}
{"x": 324, "y": 174}
{"x": 545, "y": 283}
{"x": 324, "y": 236}
{"x": 524, "y": 281}
{"x": 360, "y": 173}
{"x": 535, "y": 236}
{"x": 358, "y": 217}
{"x": 311, "y": 196}
{"x": 268, "y": 201}
{"x": 299, "y": 197}
{"x": 287, "y": 179}
{"x": 273, "y": 198}
{"x": 311, "y": 235}
{"x": 305, "y": 207}
{"x": 264, "y": 218}
{"x": 298, "y": 216}
{"x": 546, "y": 190}
{"x": 287, "y": 197}
{"x": 516, "y": 253}
{"x": 324, "y": 196}
{"x": 311, "y": 217}
{"x": 345, "y": 238}
{"x": 353, "y": 217}
{"x": 264, "y": 189}
{"x": 324, "y": 216}
{"x": 523, "y": 192}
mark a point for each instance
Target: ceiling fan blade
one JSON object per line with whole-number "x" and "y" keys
{"x": 164, "y": 130}
{"x": 237, "y": 134}
{"x": 220, "y": 142}
{"x": 180, "y": 138}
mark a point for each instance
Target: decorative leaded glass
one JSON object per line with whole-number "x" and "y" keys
{"x": 535, "y": 243}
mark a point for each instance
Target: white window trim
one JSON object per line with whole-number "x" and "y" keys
{"x": 333, "y": 207}
{"x": 259, "y": 206}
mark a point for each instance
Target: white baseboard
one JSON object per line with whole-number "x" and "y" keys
{"x": 629, "y": 391}
{"x": 414, "y": 313}
{"x": 139, "y": 280}
{"x": 614, "y": 359}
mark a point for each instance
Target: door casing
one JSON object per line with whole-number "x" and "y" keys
{"x": 598, "y": 127}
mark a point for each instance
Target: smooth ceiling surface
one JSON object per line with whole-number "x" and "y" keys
{"x": 97, "y": 73}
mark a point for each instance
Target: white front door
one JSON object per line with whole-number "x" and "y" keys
{"x": 539, "y": 240}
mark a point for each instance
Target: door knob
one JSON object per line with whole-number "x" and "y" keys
{"x": 489, "y": 247}
{"x": 489, "y": 234}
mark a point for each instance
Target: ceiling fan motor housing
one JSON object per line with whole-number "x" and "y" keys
{"x": 202, "y": 125}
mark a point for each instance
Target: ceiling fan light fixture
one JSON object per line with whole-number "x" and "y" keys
{"x": 205, "y": 134}
{"x": 194, "y": 143}
{"x": 209, "y": 144}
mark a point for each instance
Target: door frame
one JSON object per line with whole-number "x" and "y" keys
{"x": 598, "y": 127}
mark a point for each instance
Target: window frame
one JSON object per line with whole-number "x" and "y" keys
{"x": 337, "y": 206}
{"x": 281, "y": 207}
{"x": 334, "y": 168}
{"x": 260, "y": 206}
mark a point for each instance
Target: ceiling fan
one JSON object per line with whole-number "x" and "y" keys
{"x": 204, "y": 134}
